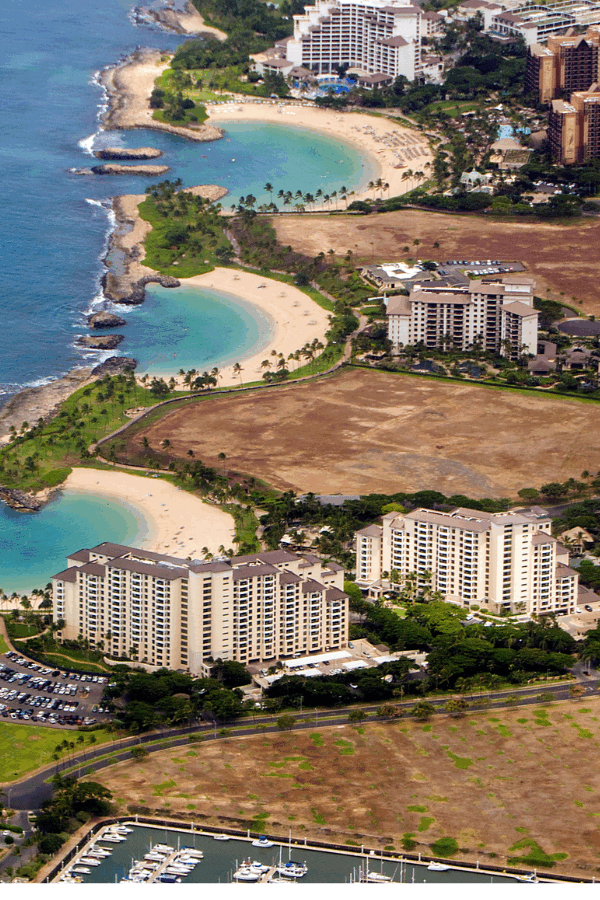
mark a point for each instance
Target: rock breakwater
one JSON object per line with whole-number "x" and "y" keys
{"x": 128, "y": 153}
{"x": 100, "y": 341}
{"x": 118, "y": 169}
{"x": 105, "y": 319}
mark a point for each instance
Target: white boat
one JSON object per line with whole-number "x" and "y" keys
{"x": 528, "y": 879}
{"x": 377, "y": 878}
{"x": 80, "y": 870}
{"x": 191, "y": 851}
{"x": 292, "y": 869}
{"x": 163, "y": 848}
{"x": 221, "y": 837}
{"x": 112, "y": 838}
{"x": 120, "y": 829}
{"x": 262, "y": 841}
{"x": 245, "y": 874}
{"x": 103, "y": 851}
{"x": 89, "y": 861}
{"x": 438, "y": 867}
{"x": 259, "y": 867}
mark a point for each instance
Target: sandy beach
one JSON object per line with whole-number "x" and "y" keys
{"x": 394, "y": 150}
{"x": 295, "y": 318}
{"x": 129, "y": 86}
{"x": 179, "y": 523}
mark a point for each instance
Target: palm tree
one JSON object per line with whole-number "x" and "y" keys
{"x": 237, "y": 370}
{"x": 269, "y": 189}
{"x": 216, "y": 373}
{"x": 344, "y": 194}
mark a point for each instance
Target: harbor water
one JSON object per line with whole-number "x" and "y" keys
{"x": 222, "y": 858}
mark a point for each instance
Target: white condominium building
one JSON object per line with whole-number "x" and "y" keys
{"x": 374, "y": 37}
{"x": 497, "y": 315}
{"x": 508, "y": 560}
{"x": 178, "y": 613}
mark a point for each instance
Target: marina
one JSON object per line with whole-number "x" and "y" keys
{"x": 144, "y": 854}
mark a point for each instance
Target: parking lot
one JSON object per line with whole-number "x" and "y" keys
{"x": 32, "y": 692}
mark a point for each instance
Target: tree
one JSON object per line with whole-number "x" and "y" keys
{"x": 456, "y": 707}
{"x": 237, "y": 371}
{"x": 357, "y": 715}
{"x": 286, "y": 722}
{"x": 422, "y": 710}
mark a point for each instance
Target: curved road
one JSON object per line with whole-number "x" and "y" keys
{"x": 29, "y": 793}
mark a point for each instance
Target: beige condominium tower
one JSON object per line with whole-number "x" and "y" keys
{"x": 181, "y": 614}
{"x": 505, "y": 560}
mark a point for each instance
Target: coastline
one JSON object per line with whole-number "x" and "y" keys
{"x": 128, "y": 86}
{"x": 179, "y": 524}
{"x": 187, "y": 22}
{"x": 377, "y": 138}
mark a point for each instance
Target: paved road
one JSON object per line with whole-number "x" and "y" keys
{"x": 30, "y": 792}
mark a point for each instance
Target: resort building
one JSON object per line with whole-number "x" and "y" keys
{"x": 574, "y": 127}
{"x": 570, "y": 62}
{"x": 182, "y": 614}
{"x": 497, "y": 315}
{"x": 504, "y": 560}
{"x": 371, "y": 37}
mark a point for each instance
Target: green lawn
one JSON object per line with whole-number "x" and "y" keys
{"x": 3, "y": 645}
{"x": 27, "y": 747}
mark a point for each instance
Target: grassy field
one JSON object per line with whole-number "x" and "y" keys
{"x": 44, "y": 458}
{"x": 518, "y": 785}
{"x": 3, "y": 645}
{"x": 376, "y": 431}
{"x": 571, "y": 274}
{"x": 24, "y": 748}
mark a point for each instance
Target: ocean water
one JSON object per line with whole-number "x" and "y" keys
{"x": 34, "y": 546}
{"x": 51, "y": 239}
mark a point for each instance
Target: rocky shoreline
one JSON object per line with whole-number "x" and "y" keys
{"x": 129, "y": 86}
{"x": 188, "y": 22}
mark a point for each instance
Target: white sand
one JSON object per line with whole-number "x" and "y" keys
{"x": 295, "y": 319}
{"x": 179, "y": 523}
{"x": 408, "y": 149}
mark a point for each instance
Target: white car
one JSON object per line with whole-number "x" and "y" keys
{"x": 578, "y": 609}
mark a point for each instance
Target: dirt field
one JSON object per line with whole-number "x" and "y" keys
{"x": 367, "y": 432}
{"x": 490, "y": 780}
{"x": 560, "y": 257}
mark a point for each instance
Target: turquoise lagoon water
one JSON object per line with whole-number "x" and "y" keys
{"x": 187, "y": 328}
{"x": 34, "y": 546}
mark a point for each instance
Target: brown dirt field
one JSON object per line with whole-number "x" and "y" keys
{"x": 369, "y": 431}
{"x": 488, "y": 780}
{"x": 560, "y": 257}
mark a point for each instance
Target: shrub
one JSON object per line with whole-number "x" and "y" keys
{"x": 445, "y": 846}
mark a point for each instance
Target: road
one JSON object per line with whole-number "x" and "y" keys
{"x": 29, "y": 793}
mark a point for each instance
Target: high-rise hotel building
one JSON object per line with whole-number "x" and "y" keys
{"x": 498, "y": 314}
{"x": 178, "y": 613}
{"x": 509, "y": 560}
{"x": 375, "y": 37}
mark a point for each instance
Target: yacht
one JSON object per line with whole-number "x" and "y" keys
{"x": 80, "y": 870}
{"x": 438, "y": 867}
{"x": 259, "y": 867}
{"x": 293, "y": 869}
{"x": 90, "y": 861}
{"x": 245, "y": 873}
{"x": 376, "y": 878}
{"x": 262, "y": 841}
{"x": 221, "y": 837}
{"x": 191, "y": 851}
{"x": 163, "y": 848}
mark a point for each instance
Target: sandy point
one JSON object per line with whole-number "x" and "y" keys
{"x": 291, "y": 318}
{"x": 179, "y": 524}
{"x": 392, "y": 149}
